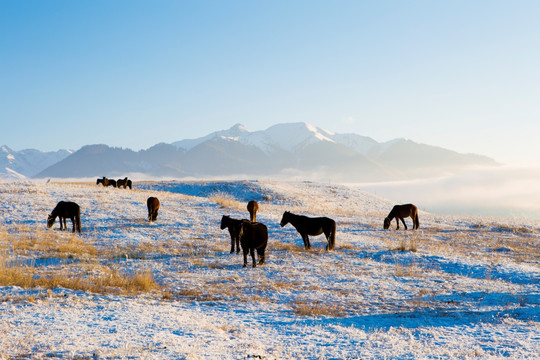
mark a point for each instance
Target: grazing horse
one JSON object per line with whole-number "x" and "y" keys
{"x": 400, "y": 212}
{"x": 252, "y": 207}
{"x": 312, "y": 226}
{"x": 253, "y": 236}
{"x": 152, "y": 203}
{"x": 106, "y": 182}
{"x": 233, "y": 226}
{"x": 64, "y": 210}
{"x": 125, "y": 182}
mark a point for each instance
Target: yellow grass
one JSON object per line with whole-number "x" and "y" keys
{"x": 24, "y": 239}
{"x": 226, "y": 200}
{"x": 309, "y": 308}
{"x": 107, "y": 280}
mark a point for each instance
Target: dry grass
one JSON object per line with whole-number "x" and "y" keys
{"x": 281, "y": 246}
{"x": 102, "y": 279}
{"x": 226, "y": 200}
{"x": 313, "y": 308}
{"x": 410, "y": 270}
{"x": 406, "y": 245}
{"x": 22, "y": 240}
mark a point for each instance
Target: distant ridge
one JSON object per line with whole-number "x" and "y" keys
{"x": 281, "y": 151}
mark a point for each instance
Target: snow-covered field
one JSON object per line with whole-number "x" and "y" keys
{"x": 457, "y": 288}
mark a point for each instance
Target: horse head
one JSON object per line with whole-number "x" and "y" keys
{"x": 50, "y": 220}
{"x": 285, "y": 219}
{"x": 387, "y": 223}
{"x": 225, "y": 221}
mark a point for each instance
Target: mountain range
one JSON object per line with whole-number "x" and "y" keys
{"x": 281, "y": 151}
{"x": 27, "y": 163}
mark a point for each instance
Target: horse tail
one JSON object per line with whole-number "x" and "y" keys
{"x": 78, "y": 219}
{"x": 332, "y": 236}
{"x": 416, "y": 220}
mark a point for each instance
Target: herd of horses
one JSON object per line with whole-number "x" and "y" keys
{"x": 251, "y": 235}
{"x": 120, "y": 183}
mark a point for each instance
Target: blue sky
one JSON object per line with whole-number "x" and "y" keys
{"x": 464, "y": 75}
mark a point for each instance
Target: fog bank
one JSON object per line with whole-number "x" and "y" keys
{"x": 505, "y": 191}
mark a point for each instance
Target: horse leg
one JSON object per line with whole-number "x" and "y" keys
{"x": 245, "y": 256}
{"x": 65, "y": 226}
{"x": 237, "y": 245}
{"x": 232, "y": 244}
{"x": 397, "y": 222}
{"x": 252, "y": 253}
{"x": 330, "y": 239}
{"x": 307, "y": 245}
{"x": 260, "y": 253}
{"x": 403, "y": 221}
{"x": 73, "y": 222}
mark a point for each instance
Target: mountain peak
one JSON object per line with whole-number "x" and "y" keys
{"x": 238, "y": 127}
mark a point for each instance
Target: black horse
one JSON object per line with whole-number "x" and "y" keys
{"x": 125, "y": 182}
{"x": 106, "y": 182}
{"x": 253, "y": 236}
{"x": 400, "y": 212}
{"x": 65, "y": 210}
{"x": 312, "y": 226}
{"x": 233, "y": 226}
{"x": 152, "y": 203}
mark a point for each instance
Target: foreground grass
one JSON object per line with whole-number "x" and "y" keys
{"x": 108, "y": 280}
{"x": 85, "y": 273}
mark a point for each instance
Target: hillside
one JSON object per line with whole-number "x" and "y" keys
{"x": 457, "y": 288}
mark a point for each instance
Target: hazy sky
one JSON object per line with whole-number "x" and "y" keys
{"x": 464, "y": 75}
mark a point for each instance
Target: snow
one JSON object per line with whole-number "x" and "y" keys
{"x": 288, "y": 137}
{"x": 471, "y": 290}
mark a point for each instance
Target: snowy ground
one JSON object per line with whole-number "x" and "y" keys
{"x": 462, "y": 287}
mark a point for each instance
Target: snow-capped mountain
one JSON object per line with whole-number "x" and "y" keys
{"x": 292, "y": 137}
{"x": 27, "y": 163}
{"x": 282, "y": 151}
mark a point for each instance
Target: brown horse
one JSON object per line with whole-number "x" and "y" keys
{"x": 400, "y": 212}
{"x": 253, "y": 236}
{"x": 233, "y": 226}
{"x": 253, "y": 207}
{"x": 65, "y": 210}
{"x": 125, "y": 182}
{"x": 106, "y": 182}
{"x": 152, "y": 203}
{"x": 311, "y": 226}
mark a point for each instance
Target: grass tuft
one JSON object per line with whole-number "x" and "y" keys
{"x": 225, "y": 200}
{"x": 310, "y": 308}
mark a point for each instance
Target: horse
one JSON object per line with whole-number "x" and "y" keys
{"x": 152, "y": 203}
{"x": 125, "y": 182}
{"x": 64, "y": 210}
{"x": 311, "y": 226}
{"x": 402, "y": 211}
{"x": 233, "y": 226}
{"x": 253, "y": 207}
{"x": 106, "y": 182}
{"x": 253, "y": 235}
